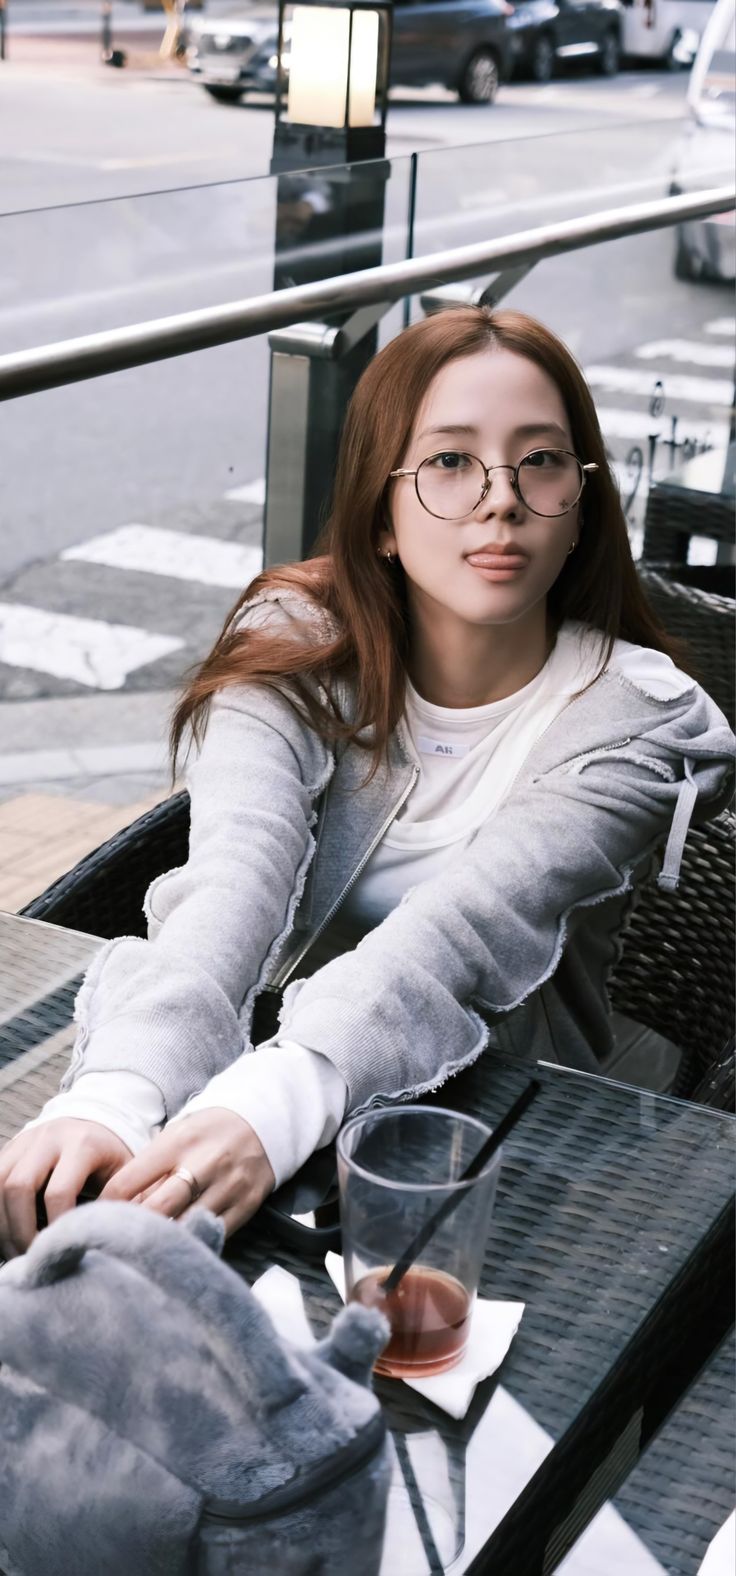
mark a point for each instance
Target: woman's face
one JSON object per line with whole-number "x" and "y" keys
{"x": 497, "y": 563}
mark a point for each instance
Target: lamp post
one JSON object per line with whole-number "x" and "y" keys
{"x": 331, "y": 82}
{"x": 332, "y": 64}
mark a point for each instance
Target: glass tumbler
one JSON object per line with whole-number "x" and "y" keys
{"x": 396, "y": 1168}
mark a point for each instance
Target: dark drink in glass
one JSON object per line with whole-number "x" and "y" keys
{"x": 429, "y": 1315}
{"x": 397, "y": 1168}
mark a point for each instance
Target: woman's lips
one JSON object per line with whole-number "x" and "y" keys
{"x": 498, "y": 566}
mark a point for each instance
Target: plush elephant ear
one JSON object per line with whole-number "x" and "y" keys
{"x": 48, "y": 1260}
{"x": 354, "y": 1342}
{"x": 207, "y": 1228}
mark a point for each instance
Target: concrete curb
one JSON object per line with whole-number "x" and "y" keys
{"x": 68, "y": 738}
{"x": 119, "y": 760}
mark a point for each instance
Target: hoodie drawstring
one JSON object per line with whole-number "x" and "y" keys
{"x": 669, "y": 875}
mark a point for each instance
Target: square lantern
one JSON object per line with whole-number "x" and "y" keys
{"x": 332, "y": 82}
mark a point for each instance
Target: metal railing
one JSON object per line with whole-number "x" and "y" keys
{"x": 313, "y": 328}
{"x": 114, "y": 350}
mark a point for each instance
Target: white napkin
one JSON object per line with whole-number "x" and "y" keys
{"x": 279, "y": 1292}
{"x": 492, "y": 1328}
{"x": 720, "y": 1556}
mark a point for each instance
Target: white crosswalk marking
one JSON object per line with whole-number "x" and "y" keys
{"x": 97, "y": 655}
{"x": 632, "y": 380}
{"x": 148, "y": 550}
{"x": 700, "y": 355}
{"x": 250, "y": 492}
{"x": 721, "y": 325}
{"x": 637, "y": 424}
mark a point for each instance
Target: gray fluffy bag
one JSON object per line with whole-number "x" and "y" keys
{"x": 152, "y": 1421}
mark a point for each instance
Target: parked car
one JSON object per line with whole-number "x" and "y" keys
{"x": 546, "y": 34}
{"x": 706, "y": 248}
{"x": 459, "y": 44}
{"x": 158, "y": 5}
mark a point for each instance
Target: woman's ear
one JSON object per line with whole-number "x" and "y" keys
{"x": 387, "y": 547}
{"x": 577, "y": 533}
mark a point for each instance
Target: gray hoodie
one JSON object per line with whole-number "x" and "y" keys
{"x": 518, "y": 933}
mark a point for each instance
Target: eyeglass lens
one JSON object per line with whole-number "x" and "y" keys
{"x": 450, "y": 484}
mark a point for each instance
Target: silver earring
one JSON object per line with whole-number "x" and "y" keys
{"x": 571, "y": 548}
{"x": 389, "y": 557}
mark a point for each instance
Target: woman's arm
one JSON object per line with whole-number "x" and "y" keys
{"x": 167, "y": 1008}
{"x": 394, "y": 1015}
{"x": 166, "y": 1011}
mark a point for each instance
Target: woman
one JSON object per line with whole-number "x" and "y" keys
{"x": 466, "y": 706}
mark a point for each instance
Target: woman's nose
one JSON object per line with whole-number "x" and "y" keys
{"x": 500, "y": 497}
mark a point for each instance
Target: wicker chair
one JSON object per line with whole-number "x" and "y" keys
{"x": 678, "y": 510}
{"x": 718, "y": 579}
{"x": 103, "y": 894}
{"x": 707, "y": 623}
{"x": 674, "y": 974}
{"x": 675, "y": 971}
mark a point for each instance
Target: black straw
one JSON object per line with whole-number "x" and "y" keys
{"x": 488, "y": 1148}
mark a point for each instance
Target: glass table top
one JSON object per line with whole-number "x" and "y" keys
{"x": 604, "y": 1195}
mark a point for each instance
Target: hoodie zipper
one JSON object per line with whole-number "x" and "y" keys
{"x": 344, "y": 1463}
{"x": 288, "y": 967}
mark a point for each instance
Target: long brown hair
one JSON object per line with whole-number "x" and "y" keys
{"x": 598, "y": 584}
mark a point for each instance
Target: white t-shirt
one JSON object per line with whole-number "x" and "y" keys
{"x": 469, "y": 759}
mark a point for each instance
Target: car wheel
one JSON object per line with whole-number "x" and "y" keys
{"x": 608, "y": 55}
{"x": 669, "y": 59}
{"x": 223, "y": 95}
{"x": 542, "y": 62}
{"x": 480, "y": 79}
{"x": 688, "y": 265}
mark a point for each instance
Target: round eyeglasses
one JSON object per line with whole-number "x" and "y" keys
{"x": 451, "y": 484}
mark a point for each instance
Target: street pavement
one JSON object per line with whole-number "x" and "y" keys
{"x": 132, "y": 506}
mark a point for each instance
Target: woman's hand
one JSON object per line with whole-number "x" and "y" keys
{"x": 55, "y": 1159}
{"x": 222, "y": 1153}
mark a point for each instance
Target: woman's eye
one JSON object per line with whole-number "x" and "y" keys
{"x": 450, "y": 460}
{"x": 542, "y": 458}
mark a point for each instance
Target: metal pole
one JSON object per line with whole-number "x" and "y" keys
{"x": 410, "y": 223}
{"x": 106, "y": 29}
{"x": 342, "y": 212}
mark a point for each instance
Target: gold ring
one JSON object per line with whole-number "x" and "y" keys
{"x": 190, "y": 1179}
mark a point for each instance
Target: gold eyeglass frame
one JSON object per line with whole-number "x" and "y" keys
{"x": 488, "y": 471}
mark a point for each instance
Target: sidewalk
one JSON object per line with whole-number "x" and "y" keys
{"x": 103, "y": 762}
{"x": 81, "y": 55}
{"x": 43, "y": 36}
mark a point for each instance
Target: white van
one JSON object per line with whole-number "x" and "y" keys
{"x": 665, "y": 30}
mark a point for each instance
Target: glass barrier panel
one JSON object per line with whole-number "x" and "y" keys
{"x": 649, "y": 316}
{"x": 133, "y": 504}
